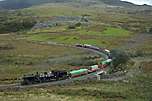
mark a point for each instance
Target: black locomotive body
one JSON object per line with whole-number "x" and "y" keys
{"x": 44, "y": 77}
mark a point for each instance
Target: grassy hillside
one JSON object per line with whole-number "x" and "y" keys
{"x": 56, "y": 9}
{"x": 19, "y": 56}
{"x": 25, "y": 49}
{"x": 138, "y": 88}
{"x": 104, "y": 38}
{"x": 137, "y": 19}
{"x": 131, "y": 19}
{"x": 18, "y": 4}
{"x": 13, "y": 21}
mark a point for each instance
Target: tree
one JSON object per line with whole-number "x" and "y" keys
{"x": 119, "y": 59}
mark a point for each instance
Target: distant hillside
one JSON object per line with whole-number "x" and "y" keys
{"x": 18, "y": 4}
{"x": 118, "y": 3}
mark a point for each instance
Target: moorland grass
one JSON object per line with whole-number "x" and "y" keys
{"x": 27, "y": 57}
{"x": 86, "y": 91}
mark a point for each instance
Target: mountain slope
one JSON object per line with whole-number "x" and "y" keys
{"x": 17, "y": 4}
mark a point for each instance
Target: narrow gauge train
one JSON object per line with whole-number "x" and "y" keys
{"x": 77, "y": 73}
{"x": 54, "y": 76}
{"x": 61, "y": 75}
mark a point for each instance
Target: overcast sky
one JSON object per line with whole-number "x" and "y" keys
{"x": 140, "y": 2}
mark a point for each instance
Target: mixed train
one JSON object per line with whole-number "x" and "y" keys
{"x": 63, "y": 75}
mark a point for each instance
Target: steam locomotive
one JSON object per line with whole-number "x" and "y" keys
{"x": 44, "y": 77}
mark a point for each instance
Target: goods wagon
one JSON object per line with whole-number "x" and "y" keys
{"x": 77, "y": 73}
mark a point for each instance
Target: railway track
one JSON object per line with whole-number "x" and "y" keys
{"x": 62, "y": 82}
{"x": 91, "y": 76}
{"x": 73, "y": 46}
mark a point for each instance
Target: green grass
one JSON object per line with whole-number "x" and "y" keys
{"x": 116, "y": 32}
{"x": 67, "y": 39}
{"x": 109, "y": 31}
{"x": 42, "y": 37}
{"x": 82, "y": 36}
{"x": 57, "y": 29}
{"x": 135, "y": 90}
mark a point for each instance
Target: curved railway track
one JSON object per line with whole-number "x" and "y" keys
{"x": 62, "y": 82}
